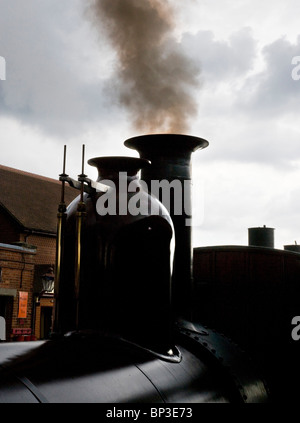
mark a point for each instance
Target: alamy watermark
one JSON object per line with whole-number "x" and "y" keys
{"x": 296, "y": 330}
{"x": 2, "y": 329}
{"x": 2, "y": 69}
{"x": 123, "y": 198}
{"x": 296, "y": 69}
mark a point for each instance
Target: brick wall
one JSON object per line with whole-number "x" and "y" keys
{"x": 17, "y": 275}
{"x": 46, "y": 247}
{"x": 20, "y": 272}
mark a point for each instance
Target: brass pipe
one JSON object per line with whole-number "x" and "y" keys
{"x": 61, "y": 218}
{"x": 80, "y": 217}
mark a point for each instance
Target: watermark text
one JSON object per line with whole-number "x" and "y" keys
{"x": 296, "y": 329}
{"x": 2, "y": 69}
{"x": 2, "y": 329}
{"x": 167, "y": 197}
{"x": 296, "y": 69}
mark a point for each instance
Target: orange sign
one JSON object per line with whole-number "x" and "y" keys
{"x": 23, "y": 301}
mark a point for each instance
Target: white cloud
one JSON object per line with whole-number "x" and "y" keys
{"x": 248, "y": 102}
{"x": 52, "y": 80}
{"x": 221, "y": 60}
{"x": 273, "y": 92}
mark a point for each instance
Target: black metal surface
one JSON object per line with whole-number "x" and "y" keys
{"x": 231, "y": 360}
{"x": 87, "y": 369}
{"x": 15, "y": 388}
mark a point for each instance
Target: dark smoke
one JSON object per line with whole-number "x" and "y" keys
{"x": 154, "y": 75}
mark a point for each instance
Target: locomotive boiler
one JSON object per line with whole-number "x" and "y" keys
{"x": 124, "y": 325}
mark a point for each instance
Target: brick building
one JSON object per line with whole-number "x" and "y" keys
{"x": 16, "y": 281}
{"x": 28, "y": 210}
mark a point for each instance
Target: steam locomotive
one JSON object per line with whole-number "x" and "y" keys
{"x": 125, "y": 325}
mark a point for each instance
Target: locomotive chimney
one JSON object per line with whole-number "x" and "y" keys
{"x": 261, "y": 237}
{"x": 170, "y": 156}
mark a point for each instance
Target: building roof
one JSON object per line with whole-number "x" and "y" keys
{"x": 32, "y": 200}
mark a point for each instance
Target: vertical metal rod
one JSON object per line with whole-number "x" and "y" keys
{"x": 61, "y": 217}
{"x": 82, "y": 172}
{"x": 63, "y": 174}
{"x": 80, "y": 215}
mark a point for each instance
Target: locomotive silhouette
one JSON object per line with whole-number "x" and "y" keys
{"x": 127, "y": 318}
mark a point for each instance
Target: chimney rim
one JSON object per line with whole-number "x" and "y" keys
{"x": 119, "y": 163}
{"x": 165, "y": 141}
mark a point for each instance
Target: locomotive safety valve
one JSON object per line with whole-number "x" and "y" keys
{"x": 96, "y": 186}
{"x": 89, "y": 186}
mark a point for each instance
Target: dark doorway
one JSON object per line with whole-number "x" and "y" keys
{"x": 2, "y": 306}
{"x": 46, "y": 322}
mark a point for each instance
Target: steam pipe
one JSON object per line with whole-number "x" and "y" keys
{"x": 170, "y": 156}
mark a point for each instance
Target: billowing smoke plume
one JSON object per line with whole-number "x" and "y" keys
{"x": 155, "y": 78}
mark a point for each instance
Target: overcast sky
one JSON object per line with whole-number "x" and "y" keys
{"x": 62, "y": 82}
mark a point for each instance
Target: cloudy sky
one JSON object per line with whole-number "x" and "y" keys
{"x": 234, "y": 61}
